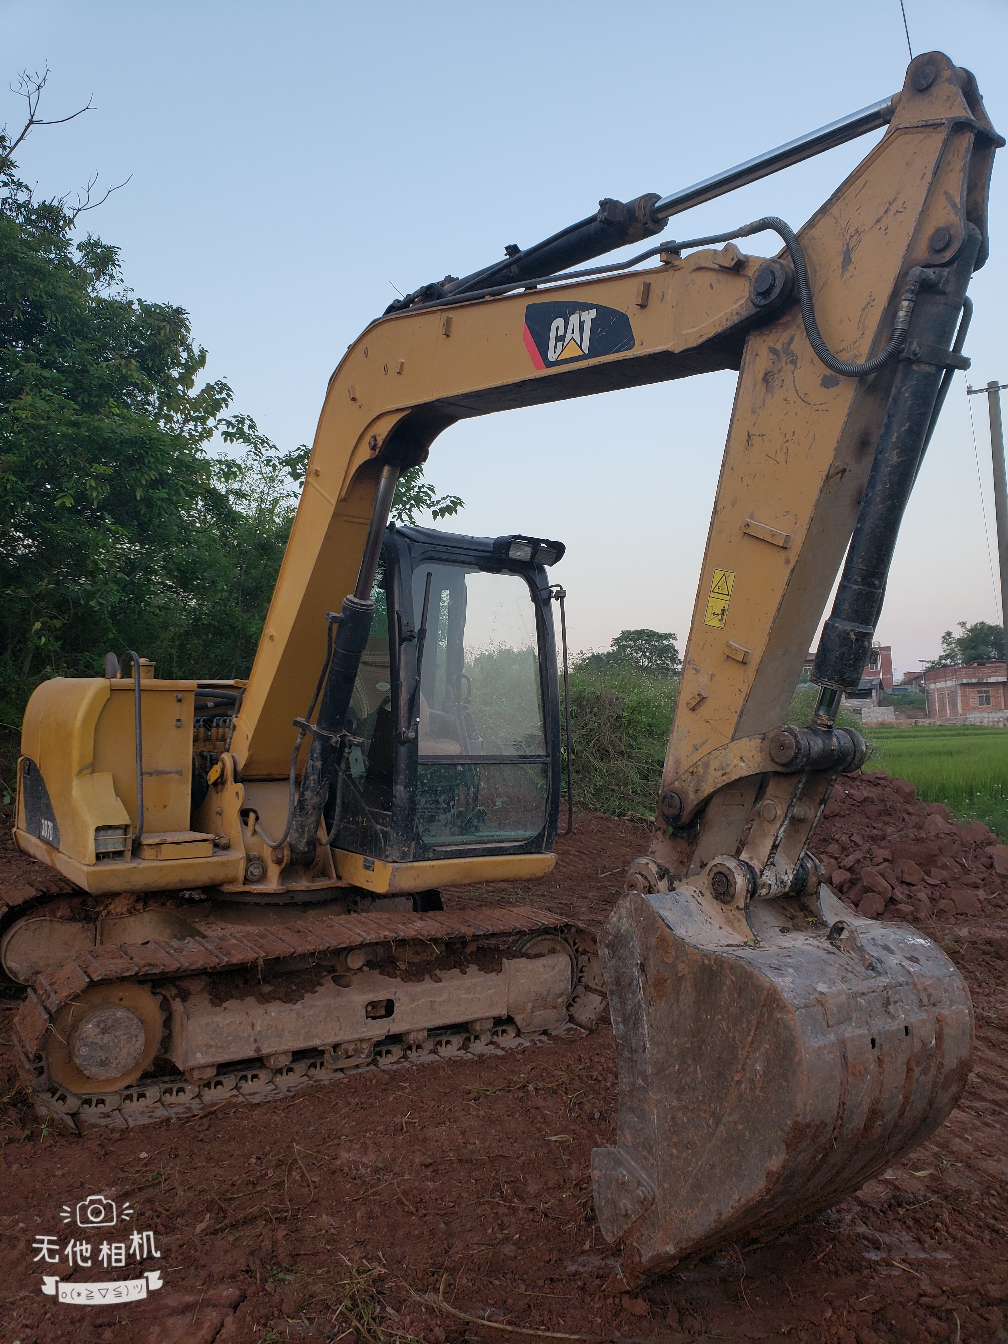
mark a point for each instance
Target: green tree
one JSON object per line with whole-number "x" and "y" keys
{"x": 415, "y": 496}
{"x": 651, "y": 651}
{"x": 119, "y": 526}
{"x": 977, "y": 643}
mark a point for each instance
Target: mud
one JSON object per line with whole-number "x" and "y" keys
{"x": 451, "y": 1200}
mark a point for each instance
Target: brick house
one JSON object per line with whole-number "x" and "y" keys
{"x": 876, "y": 677}
{"x": 976, "y": 693}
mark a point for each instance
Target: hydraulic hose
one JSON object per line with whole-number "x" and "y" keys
{"x": 769, "y": 223}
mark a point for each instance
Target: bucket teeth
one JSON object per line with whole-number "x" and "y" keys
{"x": 760, "y": 1082}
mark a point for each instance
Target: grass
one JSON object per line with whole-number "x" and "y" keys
{"x": 964, "y": 767}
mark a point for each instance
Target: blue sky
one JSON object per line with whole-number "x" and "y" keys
{"x": 292, "y": 163}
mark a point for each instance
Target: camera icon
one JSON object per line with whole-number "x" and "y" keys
{"x": 96, "y": 1211}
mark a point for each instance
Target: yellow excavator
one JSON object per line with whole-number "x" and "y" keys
{"x": 257, "y": 865}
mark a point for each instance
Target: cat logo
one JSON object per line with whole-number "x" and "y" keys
{"x": 558, "y": 333}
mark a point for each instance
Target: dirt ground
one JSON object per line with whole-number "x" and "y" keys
{"x": 452, "y": 1200}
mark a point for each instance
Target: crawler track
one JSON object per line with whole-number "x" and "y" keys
{"x": 418, "y": 948}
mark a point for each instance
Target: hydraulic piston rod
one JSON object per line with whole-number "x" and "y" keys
{"x": 618, "y": 223}
{"x": 855, "y": 124}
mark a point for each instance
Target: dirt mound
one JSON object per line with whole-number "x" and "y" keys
{"x": 889, "y": 855}
{"x": 451, "y": 1201}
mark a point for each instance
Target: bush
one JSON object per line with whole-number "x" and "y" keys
{"x": 620, "y": 721}
{"x": 620, "y": 724}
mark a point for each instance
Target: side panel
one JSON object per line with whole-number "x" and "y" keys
{"x": 167, "y": 714}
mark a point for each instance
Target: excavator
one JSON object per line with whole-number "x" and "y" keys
{"x": 257, "y": 865}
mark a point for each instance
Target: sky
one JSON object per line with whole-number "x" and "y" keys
{"x": 291, "y": 166}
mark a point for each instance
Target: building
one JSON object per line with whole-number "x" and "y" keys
{"x": 976, "y": 693}
{"x": 876, "y": 677}
{"x": 912, "y": 681}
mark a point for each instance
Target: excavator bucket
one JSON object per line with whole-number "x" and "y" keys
{"x": 760, "y": 1082}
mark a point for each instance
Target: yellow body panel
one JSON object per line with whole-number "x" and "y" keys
{"x": 79, "y": 733}
{"x": 389, "y": 878}
{"x": 115, "y": 875}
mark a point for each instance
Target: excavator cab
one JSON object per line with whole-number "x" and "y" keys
{"x": 454, "y": 718}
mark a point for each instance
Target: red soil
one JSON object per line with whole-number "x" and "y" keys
{"x": 452, "y": 1200}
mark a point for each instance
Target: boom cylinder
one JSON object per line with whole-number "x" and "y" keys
{"x": 349, "y": 643}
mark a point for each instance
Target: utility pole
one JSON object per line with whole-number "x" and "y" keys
{"x": 993, "y": 390}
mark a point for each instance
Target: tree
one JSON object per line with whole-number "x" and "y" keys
{"x": 980, "y": 642}
{"x": 121, "y": 526}
{"x": 414, "y": 496}
{"x": 652, "y": 651}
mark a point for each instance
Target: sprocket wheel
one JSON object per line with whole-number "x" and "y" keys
{"x": 105, "y": 1038}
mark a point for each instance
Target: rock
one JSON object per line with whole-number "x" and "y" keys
{"x": 999, "y": 855}
{"x": 918, "y": 853}
{"x": 829, "y": 867}
{"x": 636, "y": 1306}
{"x": 938, "y": 810}
{"x": 922, "y": 907}
{"x": 840, "y": 880}
{"x": 853, "y": 895}
{"x": 879, "y": 776}
{"x": 872, "y": 904}
{"x": 875, "y": 882}
{"x": 937, "y": 825}
{"x": 909, "y": 872}
{"x": 901, "y": 909}
{"x": 965, "y": 900}
{"x": 904, "y": 788}
{"x": 945, "y": 907}
{"x": 976, "y": 832}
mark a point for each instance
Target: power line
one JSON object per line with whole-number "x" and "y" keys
{"x": 983, "y": 509}
{"x": 906, "y": 29}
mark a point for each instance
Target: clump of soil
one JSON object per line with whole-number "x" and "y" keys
{"x": 888, "y": 854}
{"x": 451, "y": 1201}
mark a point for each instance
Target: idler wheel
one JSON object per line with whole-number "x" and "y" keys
{"x": 105, "y": 1038}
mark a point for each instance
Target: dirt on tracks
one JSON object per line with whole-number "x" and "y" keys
{"x": 452, "y": 1200}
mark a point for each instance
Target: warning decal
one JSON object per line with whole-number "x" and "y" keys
{"x": 720, "y": 596}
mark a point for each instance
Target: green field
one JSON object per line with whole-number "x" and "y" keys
{"x": 967, "y": 767}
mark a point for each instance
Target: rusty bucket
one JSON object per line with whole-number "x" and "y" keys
{"x": 762, "y": 1081}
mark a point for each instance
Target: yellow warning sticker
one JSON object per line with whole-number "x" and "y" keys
{"x": 720, "y": 596}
